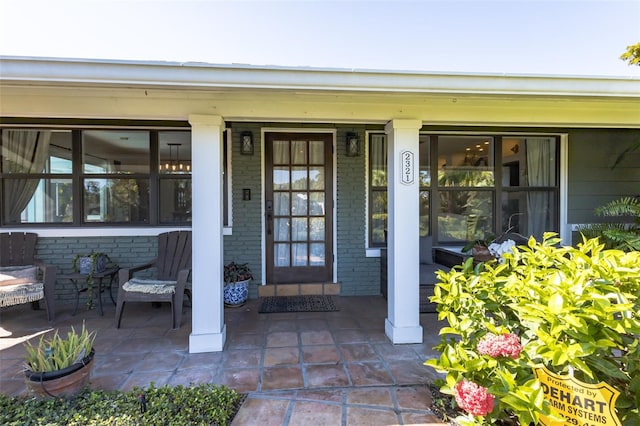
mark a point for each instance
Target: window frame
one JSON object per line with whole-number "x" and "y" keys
{"x": 78, "y": 177}
{"x": 497, "y": 190}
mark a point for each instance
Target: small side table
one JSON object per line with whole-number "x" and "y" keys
{"x": 97, "y": 287}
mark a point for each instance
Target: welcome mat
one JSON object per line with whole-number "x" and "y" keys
{"x": 313, "y": 303}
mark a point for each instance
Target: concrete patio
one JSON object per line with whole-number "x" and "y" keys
{"x": 333, "y": 368}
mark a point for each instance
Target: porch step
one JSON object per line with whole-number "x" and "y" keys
{"x": 299, "y": 289}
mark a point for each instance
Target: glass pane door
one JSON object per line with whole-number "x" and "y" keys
{"x": 298, "y": 207}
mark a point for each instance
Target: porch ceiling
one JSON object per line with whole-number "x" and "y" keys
{"x": 138, "y": 90}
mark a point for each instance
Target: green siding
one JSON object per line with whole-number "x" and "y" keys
{"x": 592, "y": 181}
{"x": 245, "y": 245}
{"x": 357, "y": 274}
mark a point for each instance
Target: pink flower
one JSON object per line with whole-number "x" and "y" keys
{"x": 473, "y": 398}
{"x": 501, "y": 345}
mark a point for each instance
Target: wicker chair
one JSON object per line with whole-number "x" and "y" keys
{"x": 172, "y": 267}
{"x": 23, "y": 278}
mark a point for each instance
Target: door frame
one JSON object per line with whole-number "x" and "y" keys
{"x": 333, "y": 132}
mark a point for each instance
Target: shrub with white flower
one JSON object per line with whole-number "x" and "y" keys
{"x": 498, "y": 249}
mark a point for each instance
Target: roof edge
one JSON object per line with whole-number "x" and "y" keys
{"x": 97, "y": 72}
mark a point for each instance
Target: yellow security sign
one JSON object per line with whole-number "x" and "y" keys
{"x": 581, "y": 404}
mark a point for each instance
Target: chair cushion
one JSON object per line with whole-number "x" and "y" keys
{"x": 12, "y": 275}
{"x": 141, "y": 285}
{"x": 20, "y": 293}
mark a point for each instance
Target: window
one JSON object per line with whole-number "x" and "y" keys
{"x": 78, "y": 177}
{"x": 116, "y": 176}
{"x": 466, "y": 179}
{"x": 36, "y": 172}
{"x": 530, "y": 184}
{"x": 472, "y": 197}
{"x": 377, "y": 190}
{"x": 175, "y": 179}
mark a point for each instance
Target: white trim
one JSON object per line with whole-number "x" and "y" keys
{"x": 491, "y": 133}
{"x": 372, "y": 252}
{"x": 229, "y": 188}
{"x": 123, "y": 126}
{"x": 263, "y": 237}
{"x": 327, "y": 130}
{"x": 264, "y": 130}
{"x": 103, "y": 231}
{"x": 565, "y": 228}
{"x": 80, "y": 72}
{"x": 334, "y": 196}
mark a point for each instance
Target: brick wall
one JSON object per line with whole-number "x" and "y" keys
{"x": 358, "y": 274}
{"x": 60, "y": 251}
{"x": 244, "y": 245}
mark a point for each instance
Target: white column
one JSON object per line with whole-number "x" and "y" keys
{"x": 403, "y": 244}
{"x": 208, "y": 333}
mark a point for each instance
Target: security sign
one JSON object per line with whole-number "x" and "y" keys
{"x": 406, "y": 167}
{"x": 581, "y": 404}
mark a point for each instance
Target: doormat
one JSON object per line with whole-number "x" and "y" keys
{"x": 279, "y": 304}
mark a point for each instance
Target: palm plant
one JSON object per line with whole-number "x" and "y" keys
{"x": 619, "y": 235}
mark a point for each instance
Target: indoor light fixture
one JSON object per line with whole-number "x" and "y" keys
{"x": 175, "y": 165}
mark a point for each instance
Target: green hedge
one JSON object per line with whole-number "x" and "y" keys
{"x": 204, "y": 404}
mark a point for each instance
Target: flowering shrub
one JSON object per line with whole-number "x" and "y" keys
{"x": 473, "y": 398}
{"x": 500, "y": 345}
{"x": 569, "y": 309}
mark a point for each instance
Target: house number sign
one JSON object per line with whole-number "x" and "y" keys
{"x": 407, "y": 166}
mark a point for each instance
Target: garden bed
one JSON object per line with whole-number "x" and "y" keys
{"x": 199, "y": 404}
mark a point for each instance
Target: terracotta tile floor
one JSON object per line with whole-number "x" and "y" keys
{"x": 333, "y": 368}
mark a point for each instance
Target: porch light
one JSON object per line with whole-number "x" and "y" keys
{"x": 246, "y": 143}
{"x": 353, "y": 145}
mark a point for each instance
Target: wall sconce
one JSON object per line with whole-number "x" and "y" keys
{"x": 353, "y": 145}
{"x": 246, "y": 143}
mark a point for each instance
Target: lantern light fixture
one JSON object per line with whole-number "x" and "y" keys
{"x": 246, "y": 143}
{"x": 353, "y": 145}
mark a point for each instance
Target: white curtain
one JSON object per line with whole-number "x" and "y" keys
{"x": 378, "y": 153}
{"x": 23, "y": 151}
{"x": 540, "y": 172}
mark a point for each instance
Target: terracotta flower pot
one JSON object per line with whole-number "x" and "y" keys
{"x": 481, "y": 253}
{"x": 66, "y": 382}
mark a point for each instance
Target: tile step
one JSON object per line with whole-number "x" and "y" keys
{"x": 304, "y": 289}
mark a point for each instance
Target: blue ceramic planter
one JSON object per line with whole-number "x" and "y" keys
{"x": 236, "y": 294}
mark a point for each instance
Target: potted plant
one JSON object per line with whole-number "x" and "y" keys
{"x": 492, "y": 247}
{"x": 236, "y": 284}
{"x": 89, "y": 264}
{"x": 60, "y": 366}
{"x": 479, "y": 249}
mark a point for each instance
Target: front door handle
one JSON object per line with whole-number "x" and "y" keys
{"x": 269, "y": 215}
